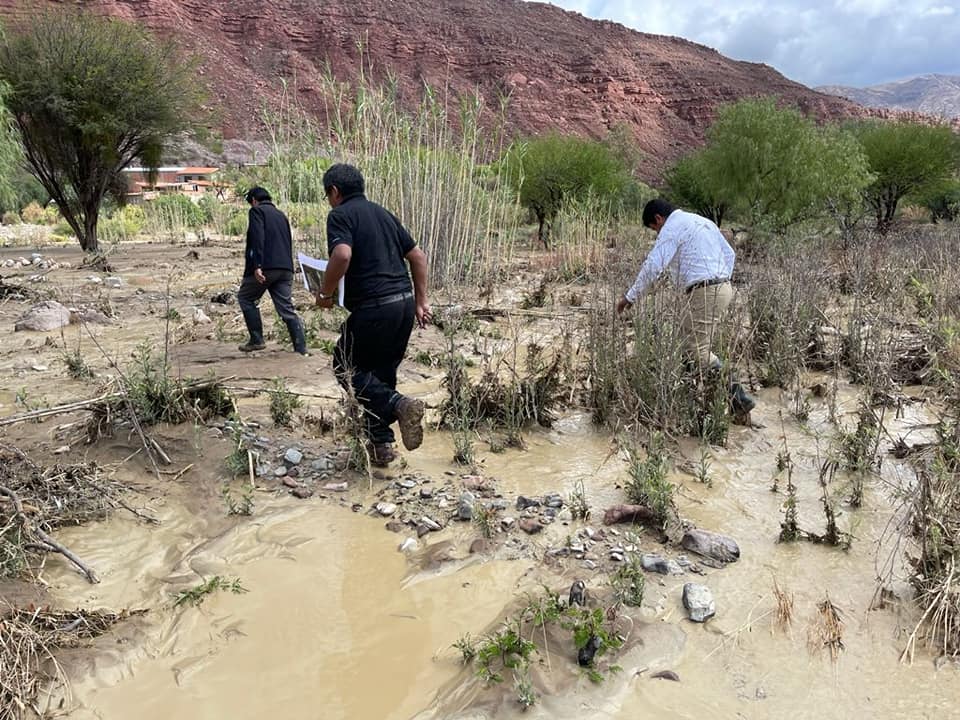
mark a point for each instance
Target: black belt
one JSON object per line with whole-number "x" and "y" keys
{"x": 706, "y": 283}
{"x": 385, "y": 300}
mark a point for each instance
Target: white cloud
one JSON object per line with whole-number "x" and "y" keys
{"x": 850, "y": 42}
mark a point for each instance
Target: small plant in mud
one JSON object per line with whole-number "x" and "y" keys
{"x": 485, "y": 518}
{"x": 648, "y": 484}
{"x": 242, "y": 505}
{"x": 702, "y": 472}
{"x": 577, "y": 502}
{"x": 592, "y": 638}
{"x": 523, "y": 685}
{"x": 826, "y": 631}
{"x": 628, "y": 581}
{"x": 77, "y": 367}
{"x": 833, "y": 534}
{"x": 24, "y": 400}
{"x": 536, "y": 298}
{"x": 800, "y": 404}
{"x": 467, "y": 647}
{"x": 860, "y": 449}
{"x": 238, "y": 461}
{"x": 171, "y": 314}
{"x": 789, "y": 528}
{"x": 197, "y": 594}
{"x": 505, "y": 649}
{"x": 282, "y": 402}
{"x": 784, "y": 610}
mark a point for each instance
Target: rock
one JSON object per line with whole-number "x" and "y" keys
{"x": 395, "y": 526}
{"x": 43, "y": 317}
{"x": 293, "y": 472}
{"x": 431, "y": 524}
{"x": 499, "y": 504}
{"x": 476, "y": 482}
{"x": 553, "y": 501}
{"x": 293, "y": 456}
{"x": 407, "y": 484}
{"x": 223, "y": 298}
{"x": 590, "y": 532}
{"x": 531, "y": 526}
{"x": 426, "y": 493}
{"x": 322, "y": 465}
{"x": 660, "y": 564}
{"x": 291, "y": 482}
{"x": 200, "y": 317}
{"x": 507, "y": 522}
{"x": 524, "y": 502}
{"x": 665, "y": 675}
{"x": 698, "y": 601}
{"x": 465, "y": 508}
{"x": 302, "y": 492}
{"x": 335, "y": 486}
{"x": 61, "y": 450}
{"x": 385, "y": 508}
{"x": 711, "y": 545}
{"x": 422, "y": 530}
{"x": 39, "y": 368}
{"x": 479, "y": 545}
{"x": 408, "y": 545}
{"x": 616, "y": 557}
{"x": 280, "y": 471}
{"x": 586, "y": 654}
{"x": 113, "y": 282}
{"x": 93, "y": 280}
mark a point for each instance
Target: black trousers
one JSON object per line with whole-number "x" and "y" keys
{"x": 280, "y": 286}
{"x": 370, "y": 349}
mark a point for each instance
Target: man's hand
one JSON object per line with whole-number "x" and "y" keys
{"x": 323, "y": 301}
{"x": 623, "y": 304}
{"x": 424, "y": 315}
{"x": 261, "y": 278}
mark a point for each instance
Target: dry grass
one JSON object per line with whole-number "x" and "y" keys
{"x": 826, "y": 630}
{"x": 784, "y": 610}
{"x": 28, "y": 641}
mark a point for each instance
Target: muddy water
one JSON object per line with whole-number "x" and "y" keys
{"x": 338, "y": 624}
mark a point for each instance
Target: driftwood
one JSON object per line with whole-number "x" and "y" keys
{"x": 39, "y": 540}
{"x": 628, "y": 513}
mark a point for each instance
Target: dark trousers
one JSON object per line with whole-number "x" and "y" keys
{"x": 370, "y": 349}
{"x": 280, "y": 286}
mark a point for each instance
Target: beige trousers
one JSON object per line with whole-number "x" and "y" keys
{"x": 703, "y": 311}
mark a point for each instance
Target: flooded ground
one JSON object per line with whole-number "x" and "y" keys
{"x": 337, "y": 623}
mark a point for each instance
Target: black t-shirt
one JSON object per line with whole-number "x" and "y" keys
{"x": 379, "y": 245}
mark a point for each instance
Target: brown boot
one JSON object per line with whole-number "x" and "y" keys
{"x": 409, "y": 413}
{"x": 382, "y": 454}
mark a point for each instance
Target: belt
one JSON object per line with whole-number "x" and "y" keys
{"x": 385, "y": 300}
{"x": 706, "y": 283}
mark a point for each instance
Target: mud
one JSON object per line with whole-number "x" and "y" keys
{"x": 337, "y": 623}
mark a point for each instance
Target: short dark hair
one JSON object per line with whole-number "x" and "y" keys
{"x": 346, "y": 178}
{"x": 660, "y": 207}
{"x": 259, "y": 194}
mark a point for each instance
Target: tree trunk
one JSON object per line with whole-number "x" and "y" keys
{"x": 91, "y": 215}
{"x": 542, "y": 233}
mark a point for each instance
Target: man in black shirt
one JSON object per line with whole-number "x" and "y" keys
{"x": 268, "y": 267}
{"x": 370, "y": 249}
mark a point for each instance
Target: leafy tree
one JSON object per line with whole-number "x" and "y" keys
{"x": 942, "y": 199}
{"x": 90, "y": 95}
{"x": 690, "y": 185}
{"x": 776, "y": 168}
{"x": 907, "y": 159}
{"x": 549, "y": 169}
{"x": 10, "y": 156}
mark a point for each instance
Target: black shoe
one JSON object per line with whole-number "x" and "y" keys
{"x": 409, "y": 414}
{"x": 740, "y": 400}
{"x": 251, "y": 346}
{"x": 297, "y": 336}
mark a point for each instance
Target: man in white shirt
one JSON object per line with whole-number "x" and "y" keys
{"x": 700, "y": 261}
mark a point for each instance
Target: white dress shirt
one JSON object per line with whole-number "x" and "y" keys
{"x": 691, "y": 247}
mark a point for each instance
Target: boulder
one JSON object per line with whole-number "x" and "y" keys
{"x": 698, "y": 601}
{"x": 711, "y": 545}
{"x": 43, "y": 317}
{"x": 659, "y": 564}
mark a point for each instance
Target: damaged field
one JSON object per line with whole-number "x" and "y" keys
{"x": 585, "y": 531}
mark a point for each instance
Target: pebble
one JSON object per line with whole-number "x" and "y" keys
{"x": 479, "y": 545}
{"x": 426, "y": 493}
{"x": 531, "y": 526}
{"x": 408, "y": 545}
{"x": 385, "y": 508}
{"x": 659, "y": 564}
{"x": 39, "y": 368}
{"x": 616, "y": 557}
{"x": 321, "y": 465}
{"x": 553, "y": 501}
{"x": 293, "y": 456}
{"x": 698, "y": 600}
{"x": 499, "y": 504}
{"x": 465, "y": 508}
{"x": 113, "y": 282}
{"x": 302, "y": 492}
{"x": 280, "y": 471}
{"x": 293, "y": 472}
{"x": 407, "y": 484}
{"x": 200, "y": 317}
{"x": 589, "y": 564}
{"x": 395, "y": 526}
{"x": 290, "y": 482}
{"x": 590, "y": 532}
{"x": 61, "y": 450}
{"x": 711, "y": 545}
{"x": 507, "y": 522}
{"x": 335, "y": 486}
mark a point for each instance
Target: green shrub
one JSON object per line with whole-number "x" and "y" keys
{"x": 237, "y": 223}
{"x": 174, "y": 212}
{"x": 122, "y": 224}
{"x": 10, "y": 218}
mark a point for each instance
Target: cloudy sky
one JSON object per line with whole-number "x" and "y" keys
{"x": 820, "y": 42}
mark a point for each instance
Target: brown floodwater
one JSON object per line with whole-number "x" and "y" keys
{"x": 338, "y": 624}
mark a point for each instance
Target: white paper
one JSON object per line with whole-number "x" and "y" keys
{"x": 312, "y": 270}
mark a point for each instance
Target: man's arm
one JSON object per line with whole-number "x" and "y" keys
{"x": 658, "y": 259}
{"x": 418, "y": 269}
{"x": 336, "y": 268}
{"x": 255, "y": 236}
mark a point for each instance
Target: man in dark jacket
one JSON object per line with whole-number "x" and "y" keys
{"x": 268, "y": 267}
{"x": 370, "y": 249}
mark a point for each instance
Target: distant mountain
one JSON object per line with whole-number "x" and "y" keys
{"x": 927, "y": 94}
